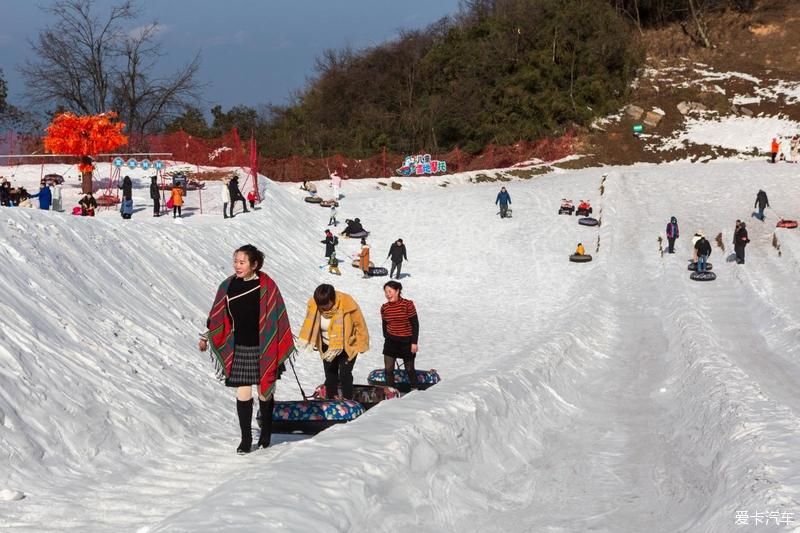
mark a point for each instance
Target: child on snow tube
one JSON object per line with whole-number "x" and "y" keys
{"x": 580, "y": 250}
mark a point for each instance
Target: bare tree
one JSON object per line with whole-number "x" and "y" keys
{"x": 90, "y": 64}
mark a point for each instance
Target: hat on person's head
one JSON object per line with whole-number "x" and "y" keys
{"x": 327, "y": 231}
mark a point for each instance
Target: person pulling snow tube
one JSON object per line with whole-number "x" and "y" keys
{"x": 425, "y": 379}
{"x": 377, "y": 271}
{"x": 585, "y": 258}
{"x": 784, "y": 223}
{"x": 312, "y": 416}
{"x": 367, "y": 395}
{"x": 703, "y": 276}
{"x": 329, "y": 203}
{"x": 588, "y": 221}
{"x": 693, "y": 266}
{"x": 313, "y": 199}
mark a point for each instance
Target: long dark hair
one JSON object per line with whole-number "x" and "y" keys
{"x": 254, "y": 255}
{"x": 396, "y": 285}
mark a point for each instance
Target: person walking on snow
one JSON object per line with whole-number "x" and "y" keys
{"x": 330, "y": 242}
{"x": 177, "y": 201}
{"x": 251, "y": 352}
{"x": 225, "y": 194}
{"x": 155, "y": 195}
{"x": 336, "y": 184}
{"x": 397, "y": 252}
{"x": 703, "y": 250}
{"x": 761, "y": 202}
{"x": 363, "y": 257}
{"x": 672, "y": 234}
{"x": 44, "y": 196}
{"x": 504, "y": 199}
{"x": 794, "y": 147}
{"x": 335, "y": 327}
{"x": 400, "y": 333}
{"x": 332, "y": 220}
{"x": 236, "y": 194}
{"x": 740, "y": 240}
{"x": 775, "y": 147}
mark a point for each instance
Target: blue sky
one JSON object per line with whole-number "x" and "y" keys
{"x": 252, "y": 51}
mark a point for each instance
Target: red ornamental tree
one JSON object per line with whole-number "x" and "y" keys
{"x": 84, "y": 136}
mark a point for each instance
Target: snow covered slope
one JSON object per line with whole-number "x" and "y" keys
{"x": 612, "y": 396}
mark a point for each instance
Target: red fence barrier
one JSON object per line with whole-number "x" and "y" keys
{"x": 230, "y": 151}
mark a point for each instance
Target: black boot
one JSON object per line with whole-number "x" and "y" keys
{"x": 245, "y": 412}
{"x": 266, "y": 408}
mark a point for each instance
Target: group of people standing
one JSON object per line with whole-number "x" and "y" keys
{"x": 49, "y": 196}
{"x": 250, "y": 338}
{"x": 701, "y": 245}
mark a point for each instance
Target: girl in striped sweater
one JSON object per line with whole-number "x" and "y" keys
{"x": 400, "y": 332}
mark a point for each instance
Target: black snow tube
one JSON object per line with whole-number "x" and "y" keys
{"x": 585, "y": 258}
{"x": 358, "y": 234}
{"x": 425, "y": 379}
{"x": 313, "y": 199}
{"x": 588, "y": 221}
{"x": 703, "y": 276}
{"x": 312, "y": 416}
{"x": 693, "y": 266}
{"x": 378, "y": 271}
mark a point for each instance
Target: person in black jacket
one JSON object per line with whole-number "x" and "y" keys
{"x": 330, "y": 243}
{"x": 703, "y": 248}
{"x": 397, "y": 252}
{"x": 5, "y": 194}
{"x": 88, "y": 205}
{"x": 740, "y": 240}
{"x": 236, "y": 194}
{"x": 127, "y": 188}
{"x": 761, "y": 202}
{"x": 155, "y": 196}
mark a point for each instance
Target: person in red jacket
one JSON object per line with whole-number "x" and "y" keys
{"x": 775, "y": 148}
{"x": 400, "y": 332}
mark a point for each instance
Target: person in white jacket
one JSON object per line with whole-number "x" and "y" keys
{"x": 336, "y": 184}
{"x": 226, "y": 198}
{"x": 55, "y": 192}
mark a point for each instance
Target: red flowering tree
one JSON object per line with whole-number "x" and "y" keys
{"x": 84, "y": 136}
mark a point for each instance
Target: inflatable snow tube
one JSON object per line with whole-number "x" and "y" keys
{"x": 107, "y": 200}
{"x": 378, "y": 271}
{"x": 313, "y": 199}
{"x": 783, "y": 223}
{"x": 312, "y": 416}
{"x": 588, "y": 221}
{"x": 358, "y": 234}
{"x": 367, "y": 395}
{"x": 77, "y": 211}
{"x": 703, "y": 276}
{"x": 425, "y": 379}
{"x": 693, "y": 266}
{"x": 329, "y": 203}
{"x": 357, "y": 264}
{"x": 585, "y": 258}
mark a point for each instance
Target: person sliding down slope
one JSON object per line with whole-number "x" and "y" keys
{"x": 580, "y": 250}
{"x": 761, "y": 202}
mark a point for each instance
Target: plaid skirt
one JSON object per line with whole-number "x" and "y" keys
{"x": 244, "y": 370}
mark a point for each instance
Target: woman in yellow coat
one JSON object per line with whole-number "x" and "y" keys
{"x": 335, "y": 327}
{"x": 177, "y": 200}
{"x": 364, "y": 258}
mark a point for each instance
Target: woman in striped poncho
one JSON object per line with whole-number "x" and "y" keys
{"x": 250, "y": 338}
